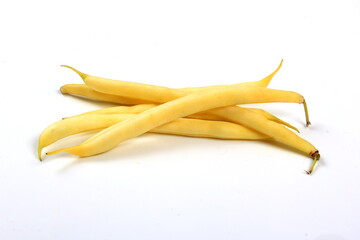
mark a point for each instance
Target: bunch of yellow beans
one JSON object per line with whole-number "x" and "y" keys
{"x": 210, "y": 111}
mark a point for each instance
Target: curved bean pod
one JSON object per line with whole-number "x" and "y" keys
{"x": 182, "y": 127}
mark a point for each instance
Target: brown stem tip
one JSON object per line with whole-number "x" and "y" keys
{"x": 316, "y": 157}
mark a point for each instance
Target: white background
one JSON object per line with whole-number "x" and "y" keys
{"x": 166, "y": 187}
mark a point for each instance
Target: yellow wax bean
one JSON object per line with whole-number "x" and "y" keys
{"x": 153, "y": 93}
{"x": 182, "y": 126}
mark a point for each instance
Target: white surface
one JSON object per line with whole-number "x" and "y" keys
{"x": 165, "y": 187}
